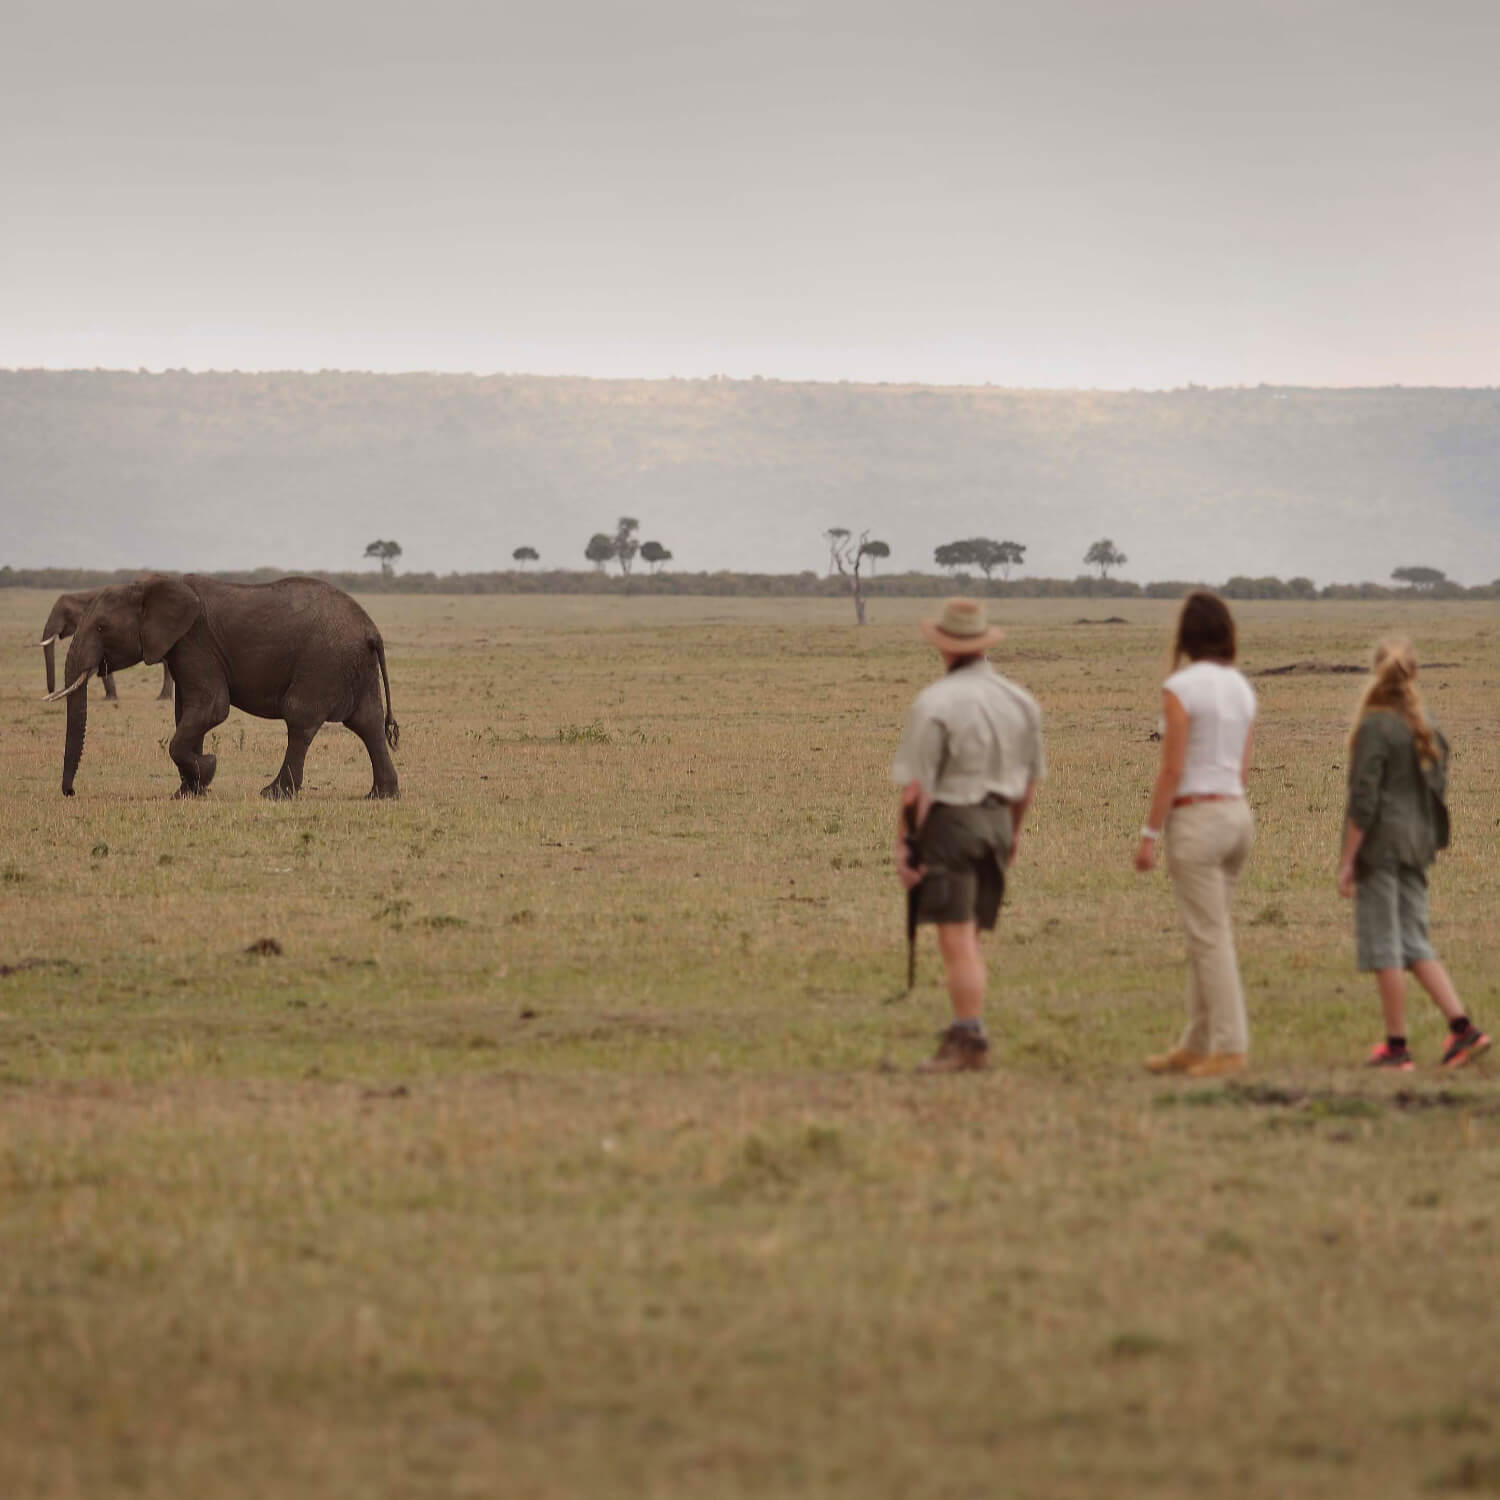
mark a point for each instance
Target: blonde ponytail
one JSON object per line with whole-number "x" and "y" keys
{"x": 1393, "y": 686}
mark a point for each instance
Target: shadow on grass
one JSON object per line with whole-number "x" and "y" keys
{"x": 1325, "y": 1103}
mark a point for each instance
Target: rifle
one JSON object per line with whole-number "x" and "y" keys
{"x": 913, "y": 896}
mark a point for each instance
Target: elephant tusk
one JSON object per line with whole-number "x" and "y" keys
{"x": 71, "y": 688}
{"x": 50, "y": 641}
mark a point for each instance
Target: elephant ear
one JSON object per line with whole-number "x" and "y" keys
{"x": 66, "y": 613}
{"x": 168, "y": 609}
{"x": 63, "y": 620}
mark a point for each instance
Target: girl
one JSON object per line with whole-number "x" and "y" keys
{"x": 1394, "y": 824}
{"x": 1199, "y": 801}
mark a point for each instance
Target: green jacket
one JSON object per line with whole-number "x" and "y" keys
{"x": 1396, "y": 801}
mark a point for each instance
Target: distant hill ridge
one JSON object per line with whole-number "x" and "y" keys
{"x": 225, "y": 471}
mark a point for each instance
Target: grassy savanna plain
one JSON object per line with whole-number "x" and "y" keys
{"x": 570, "y": 1144}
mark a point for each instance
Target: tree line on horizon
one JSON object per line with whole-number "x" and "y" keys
{"x": 847, "y": 555}
{"x": 805, "y": 584}
{"x": 847, "y": 558}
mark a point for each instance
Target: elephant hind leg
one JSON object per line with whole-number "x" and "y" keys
{"x": 288, "y": 780}
{"x": 368, "y": 722}
{"x": 165, "y": 696}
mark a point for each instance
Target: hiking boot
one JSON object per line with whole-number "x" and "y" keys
{"x": 1465, "y": 1047}
{"x": 959, "y": 1051}
{"x": 1178, "y": 1060}
{"x": 1387, "y": 1056}
{"x": 1216, "y": 1065}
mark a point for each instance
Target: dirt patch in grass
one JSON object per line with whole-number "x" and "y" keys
{"x": 1337, "y": 669}
{"x": 1472, "y": 1474}
{"x": 1312, "y": 669}
{"x": 32, "y": 965}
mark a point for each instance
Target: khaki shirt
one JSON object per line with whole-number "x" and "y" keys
{"x": 971, "y": 733}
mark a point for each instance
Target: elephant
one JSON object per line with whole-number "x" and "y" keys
{"x": 297, "y": 649}
{"x": 63, "y": 622}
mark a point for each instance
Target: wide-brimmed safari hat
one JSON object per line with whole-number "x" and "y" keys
{"x": 962, "y": 627}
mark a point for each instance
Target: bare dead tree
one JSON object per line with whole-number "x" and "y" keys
{"x": 848, "y": 554}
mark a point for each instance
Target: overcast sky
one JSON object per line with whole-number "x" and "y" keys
{"x": 1110, "y": 193}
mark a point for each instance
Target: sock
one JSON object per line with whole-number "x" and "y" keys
{"x": 973, "y": 1027}
{"x": 1396, "y": 1043}
{"x": 1458, "y": 1025}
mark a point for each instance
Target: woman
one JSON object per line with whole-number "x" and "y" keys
{"x": 1199, "y": 803}
{"x": 1394, "y": 824}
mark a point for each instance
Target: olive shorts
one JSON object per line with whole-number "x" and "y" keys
{"x": 963, "y": 851}
{"x": 1390, "y": 918}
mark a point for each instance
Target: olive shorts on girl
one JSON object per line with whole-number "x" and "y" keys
{"x": 1390, "y": 918}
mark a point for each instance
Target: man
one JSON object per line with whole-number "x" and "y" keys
{"x": 968, "y": 765}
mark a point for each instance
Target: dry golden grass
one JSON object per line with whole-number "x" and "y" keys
{"x": 569, "y": 1147}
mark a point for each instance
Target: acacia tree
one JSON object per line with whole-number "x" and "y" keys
{"x": 524, "y": 555}
{"x": 1104, "y": 555}
{"x": 874, "y": 550}
{"x": 1012, "y": 555}
{"x": 981, "y": 552}
{"x": 626, "y": 545}
{"x": 386, "y": 553}
{"x": 848, "y": 555}
{"x": 1419, "y": 578}
{"x": 655, "y": 554}
{"x": 953, "y": 555}
{"x": 600, "y": 549}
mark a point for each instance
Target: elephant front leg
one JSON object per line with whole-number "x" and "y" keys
{"x": 195, "y": 766}
{"x": 165, "y": 696}
{"x": 288, "y": 780}
{"x": 110, "y": 695}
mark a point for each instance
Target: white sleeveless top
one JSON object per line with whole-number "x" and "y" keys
{"x": 1220, "y": 706}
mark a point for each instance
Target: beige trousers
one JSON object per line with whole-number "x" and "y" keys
{"x": 1207, "y": 845}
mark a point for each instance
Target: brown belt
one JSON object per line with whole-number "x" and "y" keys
{"x": 1204, "y": 797}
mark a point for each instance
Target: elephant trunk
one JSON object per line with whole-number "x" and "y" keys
{"x": 77, "y": 670}
{"x": 49, "y": 650}
{"x": 78, "y": 718}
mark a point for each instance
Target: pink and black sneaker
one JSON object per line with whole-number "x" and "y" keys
{"x": 1465, "y": 1047}
{"x": 1387, "y": 1056}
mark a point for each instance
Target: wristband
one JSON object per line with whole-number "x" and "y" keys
{"x": 1151, "y": 833}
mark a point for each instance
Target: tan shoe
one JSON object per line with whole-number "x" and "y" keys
{"x": 1178, "y": 1060}
{"x": 1217, "y": 1065}
{"x": 958, "y": 1052}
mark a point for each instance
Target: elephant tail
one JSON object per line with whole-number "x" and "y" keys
{"x": 392, "y": 728}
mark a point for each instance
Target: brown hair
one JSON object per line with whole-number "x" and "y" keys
{"x": 1205, "y": 630}
{"x": 1393, "y": 687}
